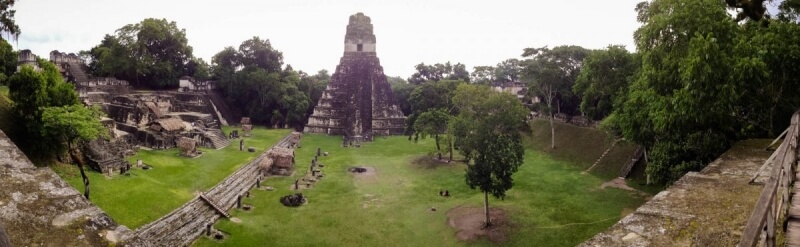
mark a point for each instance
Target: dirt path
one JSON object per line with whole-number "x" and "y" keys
{"x": 619, "y": 183}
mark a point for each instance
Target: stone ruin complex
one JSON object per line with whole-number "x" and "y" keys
{"x": 358, "y": 102}
{"x": 152, "y": 119}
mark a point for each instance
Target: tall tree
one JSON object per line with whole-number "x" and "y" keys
{"x": 152, "y": 53}
{"x": 483, "y": 75}
{"x": 551, "y": 73}
{"x": 437, "y": 72}
{"x": 74, "y": 124}
{"x": 508, "y": 71}
{"x": 8, "y": 25}
{"x": 490, "y": 125}
{"x": 605, "y": 76}
{"x": 402, "y": 92}
{"x": 8, "y": 61}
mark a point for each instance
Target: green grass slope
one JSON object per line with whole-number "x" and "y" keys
{"x": 551, "y": 203}
{"x": 146, "y": 195}
{"x": 581, "y": 146}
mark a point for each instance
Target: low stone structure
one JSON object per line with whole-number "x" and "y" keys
{"x": 38, "y": 208}
{"x": 358, "y": 103}
{"x": 107, "y": 156}
{"x": 283, "y": 161}
{"x": 187, "y": 147}
{"x": 189, "y": 84}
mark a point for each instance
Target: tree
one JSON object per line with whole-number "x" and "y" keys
{"x": 199, "y": 69}
{"x": 483, "y": 75}
{"x": 153, "y": 53}
{"x": 433, "y": 122}
{"x": 8, "y": 61}
{"x": 33, "y": 92}
{"x": 437, "y": 72}
{"x": 508, "y": 71}
{"x": 73, "y": 124}
{"x": 7, "y": 24}
{"x": 489, "y": 128}
{"x": 402, "y": 92}
{"x": 254, "y": 78}
{"x": 431, "y": 95}
{"x": 605, "y": 76}
{"x": 685, "y": 106}
{"x": 551, "y": 74}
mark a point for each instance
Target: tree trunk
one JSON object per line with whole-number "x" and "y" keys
{"x": 552, "y": 133}
{"x": 438, "y": 149}
{"x": 83, "y": 172}
{"x": 488, "y": 222}
{"x": 450, "y": 143}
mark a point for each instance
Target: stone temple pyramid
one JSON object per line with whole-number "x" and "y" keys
{"x": 358, "y": 102}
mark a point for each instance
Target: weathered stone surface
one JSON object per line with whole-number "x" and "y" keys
{"x": 358, "y": 102}
{"x": 38, "y": 208}
{"x": 706, "y": 208}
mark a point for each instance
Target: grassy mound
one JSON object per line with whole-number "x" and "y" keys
{"x": 146, "y": 195}
{"x": 581, "y": 146}
{"x": 551, "y": 203}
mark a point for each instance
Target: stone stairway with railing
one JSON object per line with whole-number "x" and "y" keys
{"x": 626, "y": 169}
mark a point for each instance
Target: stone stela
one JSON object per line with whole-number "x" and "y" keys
{"x": 358, "y": 102}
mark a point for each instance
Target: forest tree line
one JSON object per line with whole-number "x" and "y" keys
{"x": 698, "y": 80}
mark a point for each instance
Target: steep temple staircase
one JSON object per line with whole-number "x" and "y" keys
{"x": 218, "y": 139}
{"x": 77, "y": 71}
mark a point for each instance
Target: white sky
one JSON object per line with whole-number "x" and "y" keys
{"x": 310, "y": 33}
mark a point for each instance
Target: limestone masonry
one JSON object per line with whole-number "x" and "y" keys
{"x": 358, "y": 102}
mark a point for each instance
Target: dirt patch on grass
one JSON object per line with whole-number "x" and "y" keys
{"x": 469, "y": 222}
{"x": 619, "y": 183}
{"x": 431, "y": 162}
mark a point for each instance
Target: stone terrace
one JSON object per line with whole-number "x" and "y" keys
{"x": 706, "y": 208}
{"x": 38, "y": 208}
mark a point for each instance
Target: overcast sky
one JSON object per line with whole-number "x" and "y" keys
{"x": 311, "y": 33}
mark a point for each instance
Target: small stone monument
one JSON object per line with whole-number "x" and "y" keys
{"x": 187, "y": 147}
{"x": 247, "y": 127}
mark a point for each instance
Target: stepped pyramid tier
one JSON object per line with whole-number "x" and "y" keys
{"x": 358, "y": 102}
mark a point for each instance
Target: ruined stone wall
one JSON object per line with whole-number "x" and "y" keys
{"x": 38, "y": 208}
{"x": 184, "y": 225}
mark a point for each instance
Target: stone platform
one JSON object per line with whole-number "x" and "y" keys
{"x": 38, "y": 208}
{"x": 706, "y": 208}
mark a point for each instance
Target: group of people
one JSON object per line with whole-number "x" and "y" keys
{"x": 444, "y": 193}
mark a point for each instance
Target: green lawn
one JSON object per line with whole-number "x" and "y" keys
{"x": 546, "y": 207}
{"x": 146, "y": 195}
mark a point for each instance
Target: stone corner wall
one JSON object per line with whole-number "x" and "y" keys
{"x": 37, "y": 207}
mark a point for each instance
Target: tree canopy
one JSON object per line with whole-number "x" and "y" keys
{"x": 153, "y": 53}
{"x": 705, "y": 81}
{"x": 604, "y": 77}
{"x": 8, "y": 25}
{"x": 254, "y": 79}
{"x": 437, "y": 72}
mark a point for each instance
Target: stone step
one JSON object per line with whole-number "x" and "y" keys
{"x": 214, "y": 205}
